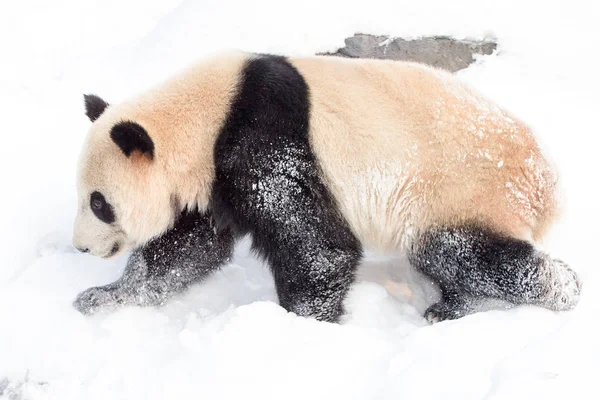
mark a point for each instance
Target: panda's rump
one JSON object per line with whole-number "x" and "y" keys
{"x": 402, "y": 146}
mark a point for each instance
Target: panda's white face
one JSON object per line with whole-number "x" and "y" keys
{"x": 124, "y": 199}
{"x": 96, "y": 230}
{"x": 97, "y": 227}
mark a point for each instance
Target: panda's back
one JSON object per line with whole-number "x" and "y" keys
{"x": 400, "y": 146}
{"x": 403, "y": 146}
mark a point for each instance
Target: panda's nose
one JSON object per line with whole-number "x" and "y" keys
{"x": 83, "y": 249}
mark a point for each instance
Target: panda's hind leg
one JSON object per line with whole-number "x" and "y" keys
{"x": 471, "y": 263}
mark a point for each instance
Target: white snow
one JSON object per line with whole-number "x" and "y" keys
{"x": 227, "y": 338}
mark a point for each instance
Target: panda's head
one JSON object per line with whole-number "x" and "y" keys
{"x": 124, "y": 198}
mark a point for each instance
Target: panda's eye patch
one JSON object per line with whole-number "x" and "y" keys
{"x": 101, "y": 208}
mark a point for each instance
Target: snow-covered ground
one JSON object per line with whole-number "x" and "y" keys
{"x": 227, "y": 338}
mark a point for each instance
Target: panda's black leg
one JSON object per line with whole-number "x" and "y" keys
{"x": 471, "y": 263}
{"x": 165, "y": 266}
{"x": 313, "y": 282}
{"x": 296, "y": 227}
{"x": 280, "y": 200}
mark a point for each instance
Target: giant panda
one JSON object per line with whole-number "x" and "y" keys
{"x": 318, "y": 159}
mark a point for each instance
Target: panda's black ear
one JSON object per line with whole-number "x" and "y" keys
{"x": 130, "y": 137}
{"x": 94, "y": 106}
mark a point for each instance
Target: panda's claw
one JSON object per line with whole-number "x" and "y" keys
{"x": 451, "y": 306}
{"x": 440, "y": 312}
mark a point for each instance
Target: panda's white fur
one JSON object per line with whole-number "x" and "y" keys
{"x": 404, "y": 146}
{"x": 401, "y": 145}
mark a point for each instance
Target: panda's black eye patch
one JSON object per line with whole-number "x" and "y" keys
{"x": 101, "y": 208}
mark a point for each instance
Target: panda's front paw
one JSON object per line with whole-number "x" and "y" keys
{"x": 96, "y": 298}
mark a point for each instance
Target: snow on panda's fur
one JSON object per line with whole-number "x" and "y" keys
{"x": 317, "y": 158}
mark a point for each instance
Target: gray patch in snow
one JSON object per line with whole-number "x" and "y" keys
{"x": 438, "y": 51}
{"x": 3, "y": 385}
{"x": 14, "y": 390}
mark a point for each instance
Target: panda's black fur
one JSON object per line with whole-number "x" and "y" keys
{"x": 185, "y": 254}
{"x": 471, "y": 263}
{"x": 268, "y": 184}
